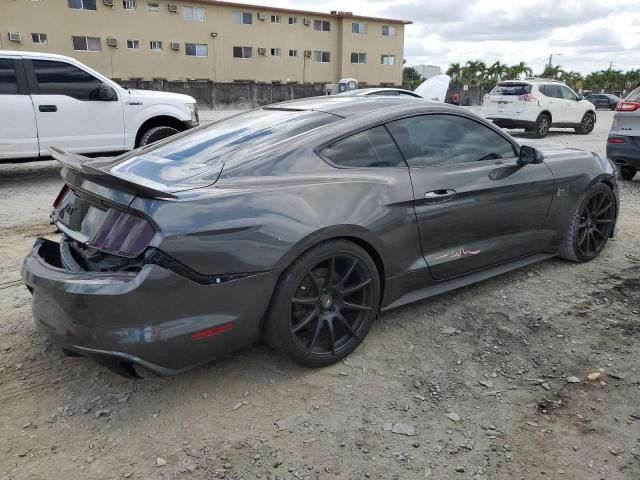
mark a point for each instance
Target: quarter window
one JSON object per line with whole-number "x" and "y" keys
{"x": 60, "y": 78}
{"x": 8, "y": 80}
{"x": 389, "y": 30}
{"x": 133, "y": 44}
{"x": 196, "y": 49}
{"x": 87, "y": 44}
{"x": 358, "y": 27}
{"x": 129, "y": 4}
{"x": 358, "y": 57}
{"x": 371, "y": 148}
{"x": 322, "y": 25}
{"x": 322, "y": 57}
{"x": 40, "y": 38}
{"x": 242, "y": 52}
{"x": 244, "y": 18}
{"x": 445, "y": 139}
{"x": 82, "y": 4}
{"x": 155, "y": 45}
{"x": 153, "y": 7}
{"x": 387, "y": 59}
{"x": 194, "y": 14}
{"x": 293, "y": 20}
{"x": 275, "y": 18}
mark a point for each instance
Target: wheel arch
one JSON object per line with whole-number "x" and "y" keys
{"x": 158, "y": 121}
{"x": 548, "y": 114}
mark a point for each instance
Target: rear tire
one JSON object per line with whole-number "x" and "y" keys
{"x": 543, "y": 123}
{"x": 156, "y": 133}
{"x": 324, "y": 304}
{"x": 591, "y": 225}
{"x": 586, "y": 124}
{"x": 627, "y": 172}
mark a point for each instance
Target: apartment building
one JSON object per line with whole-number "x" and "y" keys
{"x": 208, "y": 39}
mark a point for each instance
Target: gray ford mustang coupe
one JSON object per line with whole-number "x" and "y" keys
{"x": 297, "y": 223}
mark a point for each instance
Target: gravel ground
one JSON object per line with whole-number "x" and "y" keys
{"x": 487, "y": 382}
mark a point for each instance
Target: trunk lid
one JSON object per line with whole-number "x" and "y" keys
{"x": 506, "y": 99}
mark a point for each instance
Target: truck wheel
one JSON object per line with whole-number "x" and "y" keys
{"x": 156, "y": 133}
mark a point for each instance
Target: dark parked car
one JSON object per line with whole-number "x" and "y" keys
{"x": 603, "y": 100}
{"x": 297, "y": 223}
{"x": 623, "y": 144}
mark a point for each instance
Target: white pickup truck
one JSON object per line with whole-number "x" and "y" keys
{"x": 49, "y": 100}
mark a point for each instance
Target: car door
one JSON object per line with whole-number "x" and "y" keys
{"x": 555, "y": 103}
{"x": 475, "y": 205}
{"x": 18, "y": 132}
{"x": 68, "y": 110}
{"x": 574, "y": 109}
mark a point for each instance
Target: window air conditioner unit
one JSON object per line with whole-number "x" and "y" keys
{"x": 112, "y": 42}
{"x": 261, "y": 16}
{"x": 262, "y": 51}
{"x": 173, "y": 7}
{"x": 306, "y": 21}
{"x": 15, "y": 37}
{"x": 175, "y": 46}
{"x": 108, "y": 3}
{"x": 307, "y": 53}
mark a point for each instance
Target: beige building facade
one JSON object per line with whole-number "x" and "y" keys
{"x": 208, "y": 39}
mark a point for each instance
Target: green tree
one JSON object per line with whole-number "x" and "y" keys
{"x": 497, "y": 71}
{"x": 411, "y": 77}
{"x": 573, "y": 79}
{"x": 553, "y": 71}
{"x": 474, "y": 72}
{"x": 455, "y": 72}
{"x": 516, "y": 72}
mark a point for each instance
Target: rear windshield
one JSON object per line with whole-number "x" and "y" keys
{"x": 201, "y": 153}
{"x": 634, "y": 95}
{"x": 511, "y": 89}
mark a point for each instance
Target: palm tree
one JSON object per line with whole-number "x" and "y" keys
{"x": 552, "y": 71}
{"x": 573, "y": 79}
{"x": 455, "y": 72}
{"x": 474, "y": 71}
{"x": 497, "y": 70}
{"x": 515, "y": 72}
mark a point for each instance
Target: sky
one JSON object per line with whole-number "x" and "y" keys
{"x": 583, "y": 35}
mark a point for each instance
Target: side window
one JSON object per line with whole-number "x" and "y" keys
{"x": 445, "y": 139}
{"x": 8, "y": 80}
{"x": 371, "y": 148}
{"x": 543, "y": 90}
{"x": 60, "y": 78}
{"x": 567, "y": 94}
{"x": 553, "y": 91}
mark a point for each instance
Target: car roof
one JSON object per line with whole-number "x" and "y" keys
{"x": 351, "y": 105}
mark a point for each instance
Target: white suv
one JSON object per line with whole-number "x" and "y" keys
{"x": 49, "y": 100}
{"x": 537, "y": 104}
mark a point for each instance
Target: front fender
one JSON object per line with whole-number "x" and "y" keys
{"x": 136, "y": 114}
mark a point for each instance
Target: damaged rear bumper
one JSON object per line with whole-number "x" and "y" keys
{"x": 145, "y": 318}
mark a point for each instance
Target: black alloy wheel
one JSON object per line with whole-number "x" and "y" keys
{"x": 543, "y": 123}
{"x": 325, "y": 304}
{"x": 587, "y": 124}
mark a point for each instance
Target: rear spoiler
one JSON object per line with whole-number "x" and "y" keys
{"x": 78, "y": 163}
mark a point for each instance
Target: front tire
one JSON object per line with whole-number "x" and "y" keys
{"x": 586, "y": 124}
{"x": 591, "y": 225}
{"x": 324, "y": 304}
{"x": 156, "y": 134}
{"x": 543, "y": 123}
{"x": 626, "y": 172}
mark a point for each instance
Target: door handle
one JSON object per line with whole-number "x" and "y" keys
{"x": 439, "y": 196}
{"x": 48, "y": 108}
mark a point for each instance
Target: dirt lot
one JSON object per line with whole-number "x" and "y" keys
{"x": 480, "y": 375}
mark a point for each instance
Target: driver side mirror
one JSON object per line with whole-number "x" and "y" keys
{"x": 579, "y": 97}
{"x": 106, "y": 93}
{"x": 529, "y": 155}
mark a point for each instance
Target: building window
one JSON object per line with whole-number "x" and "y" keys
{"x": 87, "y": 44}
{"x": 40, "y": 38}
{"x": 194, "y": 14}
{"x": 129, "y": 4}
{"x": 242, "y": 52}
{"x": 155, "y": 45}
{"x": 389, "y": 30}
{"x": 133, "y": 44}
{"x": 153, "y": 7}
{"x": 322, "y": 57}
{"x": 387, "y": 59}
{"x": 359, "y": 27}
{"x": 322, "y": 25}
{"x": 196, "y": 49}
{"x": 82, "y": 4}
{"x": 293, "y": 20}
{"x": 275, "y": 52}
{"x": 275, "y": 18}
{"x": 244, "y": 18}
{"x": 293, "y": 52}
{"x": 358, "y": 57}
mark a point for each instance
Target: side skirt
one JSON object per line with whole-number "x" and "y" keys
{"x": 463, "y": 281}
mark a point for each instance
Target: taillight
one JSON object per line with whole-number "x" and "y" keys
{"x": 60, "y": 196}
{"x": 527, "y": 97}
{"x": 627, "y": 106}
{"x": 122, "y": 233}
{"x": 615, "y": 140}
